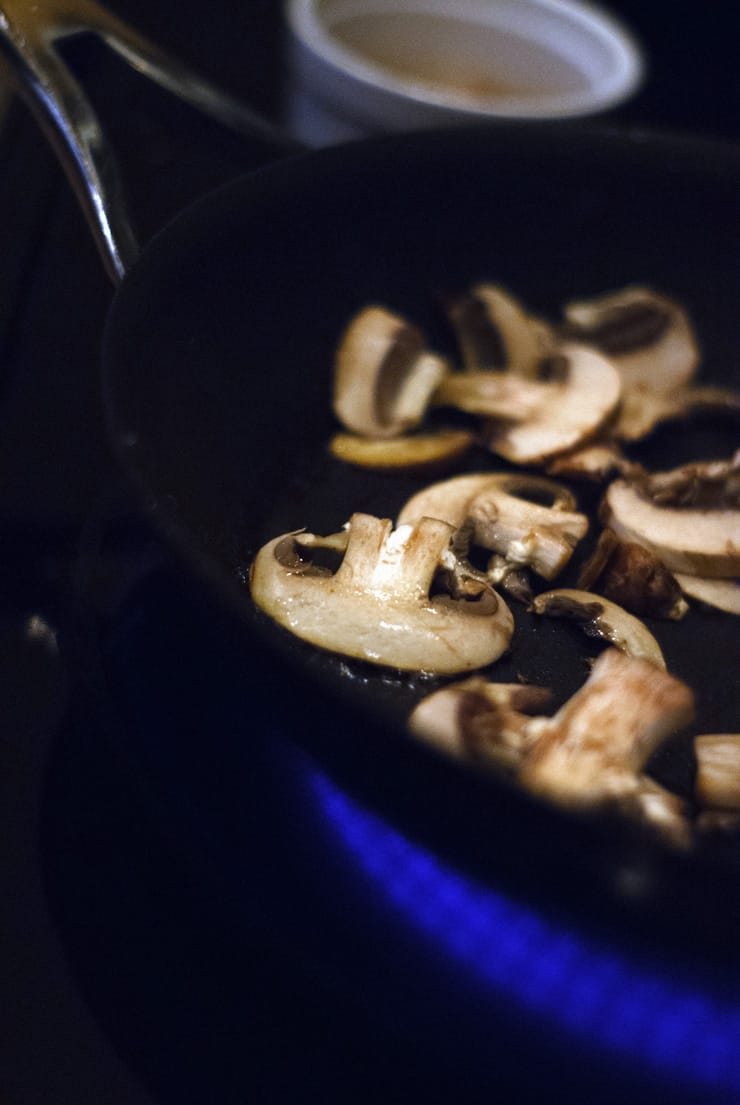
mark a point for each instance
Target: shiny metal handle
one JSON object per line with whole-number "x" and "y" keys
{"x": 29, "y": 33}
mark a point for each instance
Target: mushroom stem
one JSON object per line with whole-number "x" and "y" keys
{"x": 503, "y": 516}
{"x": 596, "y": 744}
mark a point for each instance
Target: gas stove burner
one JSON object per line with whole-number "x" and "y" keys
{"x": 359, "y": 924}
{"x": 594, "y": 996}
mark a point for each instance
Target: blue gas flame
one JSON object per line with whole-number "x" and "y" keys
{"x": 595, "y": 994}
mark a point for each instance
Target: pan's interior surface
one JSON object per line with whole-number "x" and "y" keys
{"x": 217, "y": 372}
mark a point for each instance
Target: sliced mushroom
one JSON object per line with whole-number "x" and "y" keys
{"x": 632, "y": 577}
{"x": 717, "y": 783}
{"x": 382, "y": 604}
{"x": 410, "y": 451}
{"x": 533, "y": 420}
{"x": 478, "y": 720}
{"x": 495, "y": 332}
{"x": 706, "y": 484}
{"x": 689, "y": 517}
{"x": 648, "y": 335}
{"x": 595, "y": 747}
{"x": 506, "y": 515}
{"x": 601, "y": 618}
{"x": 643, "y": 408}
{"x": 597, "y": 462}
{"x": 661, "y": 809}
{"x": 723, "y": 594}
{"x": 384, "y": 376}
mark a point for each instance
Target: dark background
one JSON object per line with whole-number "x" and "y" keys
{"x": 55, "y": 1045}
{"x": 170, "y": 157}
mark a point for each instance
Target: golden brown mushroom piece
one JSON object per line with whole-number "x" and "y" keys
{"x": 633, "y": 577}
{"x": 408, "y": 452}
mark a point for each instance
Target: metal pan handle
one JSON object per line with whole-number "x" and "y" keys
{"x": 29, "y": 35}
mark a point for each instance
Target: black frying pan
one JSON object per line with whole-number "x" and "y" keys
{"x": 217, "y": 361}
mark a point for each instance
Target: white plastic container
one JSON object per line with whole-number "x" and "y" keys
{"x": 358, "y": 67}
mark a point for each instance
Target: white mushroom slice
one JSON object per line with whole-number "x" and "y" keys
{"x": 723, "y": 594}
{"x": 689, "y": 517}
{"x": 410, "y": 451}
{"x": 384, "y": 376}
{"x": 593, "y": 749}
{"x": 503, "y": 517}
{"x": 597, "y": 462}
{"x": 643, "y": 408}
{"x": 648, "y": 335}
{"x": 381, "y": 604}
{"x": 570, "y": 412}
{"x": 662, "y": 810}
{"x": 478, "y": 720}
{"x": 718, "y": 770}
{"x": 601, "y": 618}
{"x": 495, "y": 332}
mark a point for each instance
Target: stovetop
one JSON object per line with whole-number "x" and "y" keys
{"x": 299, "y": 966}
